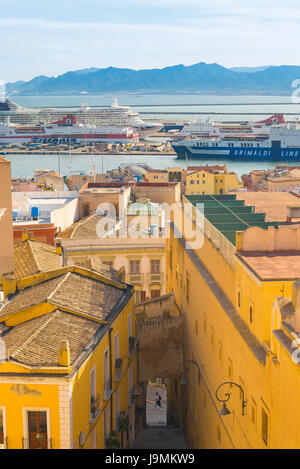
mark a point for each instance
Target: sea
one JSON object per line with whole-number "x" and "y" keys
{"x": 173, "y": 108}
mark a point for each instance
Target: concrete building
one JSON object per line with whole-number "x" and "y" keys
{"x": 50, "y": 180}
{"x": 76, "y": 181}
{"x": 156, "y": 175}
{"x": 68, "y": 368}
{"x": 238, "y": 293}
{"x": 93, "y": 194}
{"x": 205, "y": 180}
{"x": 33, "y": 208}
{"x": 6, "y": 230}
{"x": 141, "y": 258}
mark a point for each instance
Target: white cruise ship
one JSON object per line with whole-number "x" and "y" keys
{"x": 114, "y": 115}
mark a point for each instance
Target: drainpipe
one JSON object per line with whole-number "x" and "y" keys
{"x": 110, "y": 372}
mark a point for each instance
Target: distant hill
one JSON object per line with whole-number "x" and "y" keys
{"x": 201, "y": 78}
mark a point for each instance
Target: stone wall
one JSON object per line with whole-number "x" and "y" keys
{"x": 160, "y": 347}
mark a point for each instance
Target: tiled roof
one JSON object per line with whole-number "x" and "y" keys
{"x": 85, "y": 228}
{"x": 31, "y": 257}
{"x": 97, "y": 266}
{"x": 38, "y": 341}
{"x": 87, "y": 296}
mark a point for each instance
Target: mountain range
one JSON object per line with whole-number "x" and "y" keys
{"x": 201, "y": 78}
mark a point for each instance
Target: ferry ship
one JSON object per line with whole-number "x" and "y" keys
{"x": 199, "y": 128}
{"x": 281, "y": 144}
{"x": 66, "y": 131}
{"x": 114, "y": 115}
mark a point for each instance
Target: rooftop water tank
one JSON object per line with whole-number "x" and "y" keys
{"x": 35, "y": 213}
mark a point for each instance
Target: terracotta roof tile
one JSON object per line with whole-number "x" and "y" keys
{"x": 31, "y": 257}
{"x": 73, "y": 291}
{"x": 37, "y": 342}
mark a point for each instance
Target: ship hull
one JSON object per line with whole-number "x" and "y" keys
{"x": 238, "y": 154}
{"x": 61, "y": 140}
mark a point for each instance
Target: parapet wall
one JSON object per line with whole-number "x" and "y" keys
{"x": 283, "y": 238}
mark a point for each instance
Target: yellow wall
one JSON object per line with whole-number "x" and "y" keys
{"x": 68, "y": 397}
{"x": 217, "y": 345}
{"x": 203, "y": 182}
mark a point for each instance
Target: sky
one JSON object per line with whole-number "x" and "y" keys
{"x": 51, "y": 37}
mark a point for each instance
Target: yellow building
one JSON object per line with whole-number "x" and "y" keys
{"x": 6, "y": 228}
{"x": 156, "y": 175}
{"x": 142, "y": 258}
{"x": 239, "y": 296}
{"x": 67, "y": 360}
{"x": 210, "y": 180}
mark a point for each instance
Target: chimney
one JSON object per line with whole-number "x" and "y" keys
{"x": 25, "y": 235}
{"x": 64, "y": 354}
{"x": 58, "y": 246}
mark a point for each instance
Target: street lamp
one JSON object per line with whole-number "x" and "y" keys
{"x": 185, "y": 379}
{"x": 224, "y": 411}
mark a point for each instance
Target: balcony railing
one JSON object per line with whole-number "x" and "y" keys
{"x": 26, "y": 444}
{"x": 131, "y": 345}
{"x": 95, "y": 405}
{"x": 135, "y": 279}
{"x": 155, "y": 277}
{"x": 107, "y": 388}
{"x": 4, "y": 445}
{"x": 118, "y": 368}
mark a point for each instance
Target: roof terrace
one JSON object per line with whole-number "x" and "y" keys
{"x": 229, "y": 215}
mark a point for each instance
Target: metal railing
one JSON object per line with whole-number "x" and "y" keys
{"x": 26, "y": 444}
{"x": 226, "y": 248}
{"x": 131, "y": 346}
{"x": 107, "y": 388}
{"x": 135, "y": 278}
{"x": 155, "y": 277}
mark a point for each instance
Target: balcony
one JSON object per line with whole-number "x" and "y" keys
{"x": 135, "y": 279}
{"x": 155, "y": 278}
{"x": 131, "y": 346}
{"x": 3, "y": 445}
{"x": 37, "y": 443}
{"x": 95, "y": 405}
{"x": 118, "y": 368}
{"x": 107, "y": 388}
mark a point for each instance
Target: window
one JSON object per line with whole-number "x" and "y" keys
{"x": 239, "y": 299}
{"x": 230, "y": 369}
{"x": 135, "y": 267}
{"x": 204, "y": 323}
{"x": 2, "y": 432}
{"x": 218, "y": 434}
{"x": 108, "y": 263}
{"x": 117, "y": 410}
{"x": 155, "y": 266}
{"x": 220, "y": 352}
{"x": 212, "y": 338}
{"x": 107, "y": 378}
{"x": 251, "y": 314}
{"x": 196, "y": 327}
{"x": 171, "y": 258}
{"x": 93, "y": 392}
{"x": 155, "y": 293}
{"x": 253, "y": 413}
{"x": 37, "y": 430}
{"x": 187, "y": 291}
{"x": 264, "y": 426}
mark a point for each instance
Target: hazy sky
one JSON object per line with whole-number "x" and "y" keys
{"x": 50, "y": 37}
